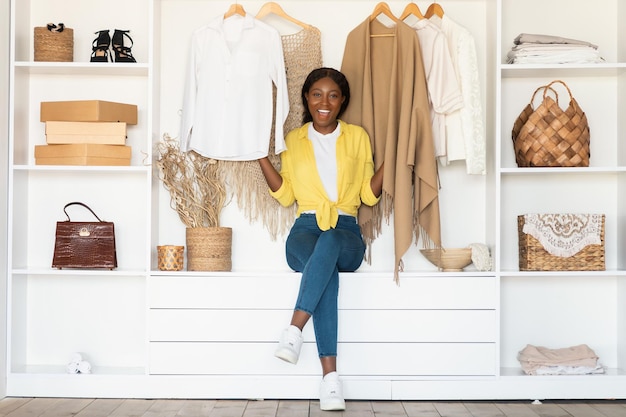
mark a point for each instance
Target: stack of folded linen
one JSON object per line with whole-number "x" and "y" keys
{"x": 548, "y": 49}
{"x": 575, "y": 360}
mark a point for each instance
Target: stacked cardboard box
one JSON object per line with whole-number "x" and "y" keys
{"x": 85, "y": 132}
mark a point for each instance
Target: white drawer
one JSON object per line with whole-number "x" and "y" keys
{"x": 366, "y": 359}
{"x": 356, "y": 291}
{"x": 401, "y": 326}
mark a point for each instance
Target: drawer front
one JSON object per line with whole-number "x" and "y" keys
{"x": 354, "y": 359}
{"x": 400, "y": 326}
{"x": 357, "y": 291}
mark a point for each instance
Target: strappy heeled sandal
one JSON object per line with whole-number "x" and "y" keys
{"x": 100, "y": 47}
{"x": 122, "y": 53}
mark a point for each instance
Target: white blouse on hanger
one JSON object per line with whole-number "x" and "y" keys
{"x": 444, "y": 92}
{"x": 228, "y": 103}
{"x": 465, "y": 127}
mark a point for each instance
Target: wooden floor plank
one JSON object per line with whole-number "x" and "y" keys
{"x": 229, "y": 408}
{"x": 483, "y": 409}
{"x": 197, "y": 408}
{"x": 34, "y": 408}
{"x": 609, "y": 408}
{"x": 517, "y": 409}
{"x": 452, "y": 409}
{"x": 101, "y": 407}
{"x": 388, "y": 408}
{"x": 265, "y": 408}
{"x": 420, "y": 409}
{"x": 10, "y": 404}
{"x": 577, "y": 409}
{"x": 132, "y": 408}
{"x": 548, "y": 409}
{"x": 164, "y": 408}
{"x": 293, "y": 408}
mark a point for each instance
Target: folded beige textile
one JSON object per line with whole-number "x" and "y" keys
{"x": 539, "y": 38}
{"x": 534, "y": 357}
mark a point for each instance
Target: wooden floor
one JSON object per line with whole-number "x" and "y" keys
{"x": 66, "y": 407}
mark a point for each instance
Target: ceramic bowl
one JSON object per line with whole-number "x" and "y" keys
{"x": 449, "y": 259}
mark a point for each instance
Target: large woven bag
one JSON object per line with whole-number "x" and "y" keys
{"x": 549, "y": 136}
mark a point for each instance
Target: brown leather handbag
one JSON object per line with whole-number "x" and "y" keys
{"x": 84, "y": 245}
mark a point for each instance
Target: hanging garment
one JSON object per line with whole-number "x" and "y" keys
{"x": 302, "y": 53}
{"x": 389, "y": 99}
{"x": 444, "y": 93}
{"x": 227, "y": 104}
{"x": 465, "y": 127}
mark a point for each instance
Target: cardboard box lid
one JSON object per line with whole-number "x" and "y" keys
{"x": 83, "y": 149}
{"x": 88, "y": 111}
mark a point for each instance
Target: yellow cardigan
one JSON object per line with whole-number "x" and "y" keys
{"x": 302, "y": 184}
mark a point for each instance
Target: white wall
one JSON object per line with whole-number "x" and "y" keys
{"x": 4, "y": 128}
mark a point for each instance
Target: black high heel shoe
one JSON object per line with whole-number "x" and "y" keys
{"x": 122, "y": 53}
{"x": 100, "y": 47}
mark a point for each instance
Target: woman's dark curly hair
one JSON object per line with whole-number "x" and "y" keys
{"x": 318, "y": 74}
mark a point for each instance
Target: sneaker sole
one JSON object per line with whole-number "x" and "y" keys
{"x": 286, "y": 355}
{"x": 333, "y": 406}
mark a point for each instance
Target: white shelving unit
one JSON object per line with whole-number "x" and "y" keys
{"x": 53, "y": 313}
{"x": 161, "y": 334}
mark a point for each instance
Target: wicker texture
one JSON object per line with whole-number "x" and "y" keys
{"x": 209, "y": 248}
{"x": 533, "y": 256}
{"x": 170, "y": 257}
{"x": 54, "y": 46}
{"x": 549, "y": 136}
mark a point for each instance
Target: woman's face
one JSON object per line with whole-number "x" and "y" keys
{"x": 324, "y": 100}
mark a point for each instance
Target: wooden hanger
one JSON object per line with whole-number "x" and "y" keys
{"x": 234, "y": 9}
{"x": 411, "y": 9}
{"x": 433, "y": 9}
{"x": 274, "y": 8}
{"x": 383, "y": 8}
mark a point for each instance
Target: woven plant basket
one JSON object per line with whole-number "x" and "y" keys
{"x": 533, "y": 256}
{"x": 549, "y": 136}
{"x": 209, "y": 248}
{"x": 54, "y": 46}
{"x": 171, "y": 257}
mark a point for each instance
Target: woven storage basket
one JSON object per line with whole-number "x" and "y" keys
{"x": 533, "y": 256}
{"x": 54, "y": 46}
{"x": 209, "y": 248}
{"x": 549, "y": 136}
{"x": 170, "y": 257}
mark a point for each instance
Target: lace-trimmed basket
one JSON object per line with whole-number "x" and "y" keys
{"x": 534, "y": 257}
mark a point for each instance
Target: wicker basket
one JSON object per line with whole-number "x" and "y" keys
{"x": 533, "y": 256}
{"x": 209, "y": 248}
{"x": 549, "y": 136}
{"x": 54, "y": 46}
{"x": 170, "y": 257}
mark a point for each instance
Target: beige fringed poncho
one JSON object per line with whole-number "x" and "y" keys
{"x": 389, "y": 98}
{"x": 302, "y": 53}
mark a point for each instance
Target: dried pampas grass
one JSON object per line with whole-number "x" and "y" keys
{"x": 195, "y": 184}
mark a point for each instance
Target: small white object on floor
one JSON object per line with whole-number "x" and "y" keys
{"x": 537, "y": 402}
{"x": 77, "y": 365}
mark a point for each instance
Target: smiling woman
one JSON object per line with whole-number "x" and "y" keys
{"x": 328, "y": 171}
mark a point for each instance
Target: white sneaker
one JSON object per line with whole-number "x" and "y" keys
{"x": 289, "y": 345}
{"x": 331, "y": 395}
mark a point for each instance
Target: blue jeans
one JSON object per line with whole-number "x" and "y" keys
{"x": 320, "y": 256}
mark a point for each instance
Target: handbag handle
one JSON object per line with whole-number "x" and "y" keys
{"x": 545, "y": 90}
{"x": 549, "y": 86}
{"x": 79, "y": 204}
